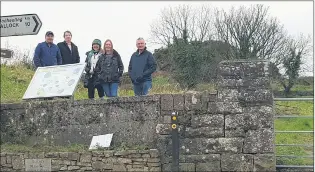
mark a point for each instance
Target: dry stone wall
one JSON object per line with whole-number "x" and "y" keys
{"x": 228, "y": 130}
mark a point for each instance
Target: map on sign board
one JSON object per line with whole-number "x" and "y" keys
{"x": 54, "y": 81}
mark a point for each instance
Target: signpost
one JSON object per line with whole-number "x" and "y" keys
{"x": 19, "y": 25}
{"x": 6, "y": 53}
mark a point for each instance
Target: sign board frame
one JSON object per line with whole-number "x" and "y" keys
{"x": 36, "y": 73}
{"x": 7, "y": 50}
{"x": 36, "y": 29}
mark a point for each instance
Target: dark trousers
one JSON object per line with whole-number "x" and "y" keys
{"x": 91, "y": 90}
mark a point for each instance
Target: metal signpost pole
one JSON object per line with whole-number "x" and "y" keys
{"x": 175, "y": 142}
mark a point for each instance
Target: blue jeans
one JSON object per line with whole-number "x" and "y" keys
{"x": 141, "y": 89}
{"x": 110, "y": 89}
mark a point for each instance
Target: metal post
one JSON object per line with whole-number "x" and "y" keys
{"x": 175, "y": 142}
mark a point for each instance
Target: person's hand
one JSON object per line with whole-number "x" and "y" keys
{"x": 139, "y": 79}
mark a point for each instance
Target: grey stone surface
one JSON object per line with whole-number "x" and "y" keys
{"x": 259, "y": 141}
{"x": 179, "y": 102}
{"x": 210, "y": 132}
{"x": 38, "y": 164}
{"x": 167, "y": 102}
{"x": 237, "y": 162}
{"x": 17, "y": 162}
{"x": 211, "y": 120}
{"x": 264, "y": 162}
{"x": 187, "y": 167}
{"x": 213, "y": 166}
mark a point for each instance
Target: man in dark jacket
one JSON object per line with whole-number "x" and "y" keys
{"x": 141, "y": 66}
{"x": 47, "y": 53}
{"x": 69, "y": 51}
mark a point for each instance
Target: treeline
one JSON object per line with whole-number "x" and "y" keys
{"x": 195, "y": 40}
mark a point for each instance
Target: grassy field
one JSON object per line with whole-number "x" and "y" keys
{"x": 14, "y": 82}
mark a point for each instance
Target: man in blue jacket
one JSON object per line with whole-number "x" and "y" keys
{"x": 47, "y": 53}
{"x": 141, "y": 66}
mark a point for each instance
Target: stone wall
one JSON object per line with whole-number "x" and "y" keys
{"x": 229, "y": 130}
{"x": 131, "y": 160}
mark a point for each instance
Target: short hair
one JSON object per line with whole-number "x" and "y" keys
{"x": 64, "y": 33}
{"x": 140, "y": 38}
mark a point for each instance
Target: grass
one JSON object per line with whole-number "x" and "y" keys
{"x": 301, "y": 108}
{"x": 14, "y": 82}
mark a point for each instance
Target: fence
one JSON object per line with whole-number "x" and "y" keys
{"x": 283, "y": 116}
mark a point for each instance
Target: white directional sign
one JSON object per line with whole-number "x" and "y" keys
{"x": 18, "y": 25}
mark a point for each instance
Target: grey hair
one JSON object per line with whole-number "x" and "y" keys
{"x": 140, "y": 38}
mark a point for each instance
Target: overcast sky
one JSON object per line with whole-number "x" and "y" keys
{"x": 124, "y": 22}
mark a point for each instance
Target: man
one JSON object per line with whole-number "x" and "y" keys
{"x": 69, "y": 51}
{"x": 47, "y": 53}
{"x": 141, "y": 66}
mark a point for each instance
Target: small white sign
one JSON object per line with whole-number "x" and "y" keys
{"x": 101, "y": 141}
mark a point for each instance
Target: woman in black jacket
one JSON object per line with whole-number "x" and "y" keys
{"x": 91, "y": 80}
{"x": 109, "y": 68}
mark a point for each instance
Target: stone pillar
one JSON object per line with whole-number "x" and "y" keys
{"x": 245, "y": 99}
{"x": 231, "y": 130}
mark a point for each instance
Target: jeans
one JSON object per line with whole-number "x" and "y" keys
{"x": 110, "y": 89}
{"x": 141, "y": 89}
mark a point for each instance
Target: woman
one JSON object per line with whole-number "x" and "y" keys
{"x": 109, "y": 68}
{"x": 91, "y": 77}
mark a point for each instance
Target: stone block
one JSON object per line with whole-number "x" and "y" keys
{"x": 245, "y": 121}
{"x": 259, "y": 141}
{"x": 212, "y": 107}
{"x": 213, "y": 166}
{"x": 154, "y": 160}
{"x": 146, "y": 156}
{"x": 3, "y": 160}
{"x": 40, "y": 155}
{"x": 163, "y": 129}
{"x": 108, "y": 153}
{"x": 86, "y": 168}
{"x": 209, "y": 132}
{"x": 228, "y": 95}
{"x": 73, "y": 156}
{"x": 63, "y": 155}
{"x": 179, "y": 102}
{"x": 123, "y": 153}
{"x": 229, "y": 107}
{"x": 157, "y": 169}
{"x": 211, "y": 120}
{"x": 17, "y": 162}
{"x": 84, "y": 164}
{"x": 52, "y": 155}
{"x": 206, "y": 158}
{"x": 154, "y": 164}
{"x": 99, "y": 165}
{"x": 236, "y": 162}
{"x": 154, "y": 153}
{"x": 234, "y": 145}
{"x": 265, "y": 115}
{"x": 238, "y": 132}
{"x": 38, "y": 164}
{"x": 187, "y": 167}
{"x": 167, "y": 102}
{"x": 119, "y": 168}
{"x": 124, "y": 160}
{"x": 264, "y": 162}
{"x": 85, "y": 157}
{"x": 72, "y": 168}
{"x": 256, "y": 96}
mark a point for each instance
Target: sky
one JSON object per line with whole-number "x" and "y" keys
{"x": 124, "y": 21}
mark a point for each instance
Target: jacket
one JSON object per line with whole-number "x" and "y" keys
{"x": 141, "y": 66}
{"x": 69, "y": 56}
{"x": 90, "y": 77}
{"x": 46, "y": 55}
{"x": 109, "y": 69}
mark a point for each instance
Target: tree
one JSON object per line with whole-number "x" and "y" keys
{"x": 182, "y": 22}
{"x": 295, "y": 50}
{"x": 251, "y": 31}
